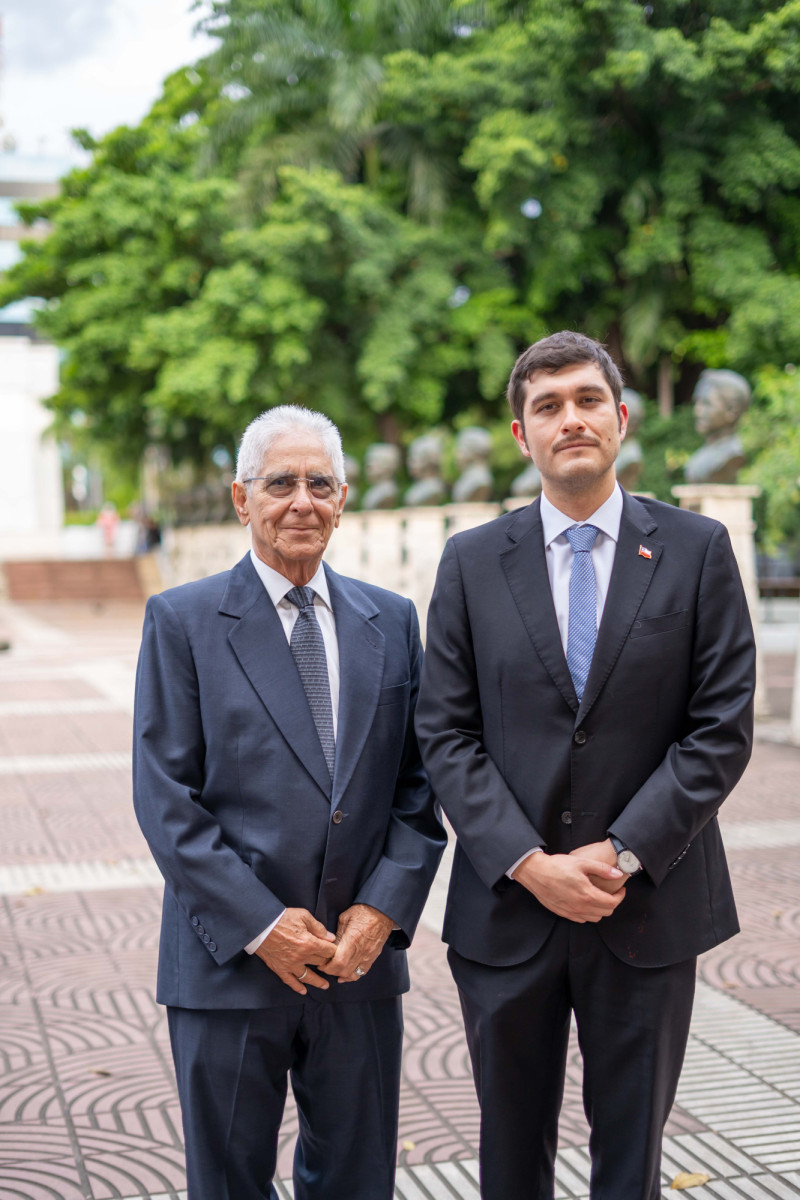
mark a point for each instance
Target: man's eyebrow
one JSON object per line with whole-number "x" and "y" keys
{"x": 292, "y": 471}
{"x": 585, "y": 387}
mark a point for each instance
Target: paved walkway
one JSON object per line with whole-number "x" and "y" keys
{"x": 87, "y": 1099}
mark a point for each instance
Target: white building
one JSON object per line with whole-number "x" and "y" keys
{"x": 31, "y": 488}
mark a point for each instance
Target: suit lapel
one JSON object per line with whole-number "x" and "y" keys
{"x": 260, "y": 644}
{"x": 361, "y": 657}
{"x": 630, "y": 579}
{"x": 525, "y": 568}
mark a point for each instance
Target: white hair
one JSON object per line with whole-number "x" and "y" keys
{"x": 273, "y": 424}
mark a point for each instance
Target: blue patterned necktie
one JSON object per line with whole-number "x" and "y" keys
{"x": 582, "y": 629}
{"x": 308, "y": 648}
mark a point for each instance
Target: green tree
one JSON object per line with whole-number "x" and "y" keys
{"x": 771, "y": 432}
{"x": 133, "y": 236}
{"x": 372, "y": 205}
{"x": 334, "y": 296}
{"x": 306, "y": 76}
{"x": 636, "y": 168}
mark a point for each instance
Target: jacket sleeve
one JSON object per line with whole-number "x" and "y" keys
{"x": 491, "y": 826}
{"x": 209, "y": 880}
{"x": 415, "y": 840}
{"x": 697, "y": 773}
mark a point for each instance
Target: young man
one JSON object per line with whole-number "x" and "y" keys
{"x": 586, "y": 706}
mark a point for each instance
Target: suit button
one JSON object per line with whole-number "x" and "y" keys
{"x": 337, "y": 817}
{"x": 579, "y": 737}
{"x": 200, "y": 930}
{"x": 206, "y": 938}
{"x": 566, "y": 818}
{"x": 212, "y": 946}
{"x": 195, "y": 921}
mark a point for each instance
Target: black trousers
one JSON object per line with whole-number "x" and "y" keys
{"x": 633, "y": 1025}
{"x": 344, "y": 1062}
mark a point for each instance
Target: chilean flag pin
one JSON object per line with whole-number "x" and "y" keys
{"x": 645, "y": 553}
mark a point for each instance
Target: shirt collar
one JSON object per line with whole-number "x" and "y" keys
{"x": 606, "y": 518}
{"x": 278, "y": 585}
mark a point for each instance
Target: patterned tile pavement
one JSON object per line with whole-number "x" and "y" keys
{"x": 87, "y": 1099}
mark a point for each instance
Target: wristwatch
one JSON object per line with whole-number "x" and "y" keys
{"x": 627, "y": 861}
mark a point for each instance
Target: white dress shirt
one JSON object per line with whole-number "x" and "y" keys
{"x": 559, "y": 555}
{"x": 277, "y": 586}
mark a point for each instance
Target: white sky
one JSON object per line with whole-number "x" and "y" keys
{"x": 90, "y": 64}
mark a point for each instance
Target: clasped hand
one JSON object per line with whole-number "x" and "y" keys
{"x": 299, "y": 942}
{"x": 585, "y": 885}
{"x": 361, "y": 935}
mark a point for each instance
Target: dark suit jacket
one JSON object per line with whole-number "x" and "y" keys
{"x": 234, "y": 797}
{"x": 661, "y": 736}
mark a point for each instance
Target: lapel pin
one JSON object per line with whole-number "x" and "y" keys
{"x": 645, "y": 553}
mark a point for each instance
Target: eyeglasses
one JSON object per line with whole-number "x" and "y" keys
{"x": 280, "y": 487}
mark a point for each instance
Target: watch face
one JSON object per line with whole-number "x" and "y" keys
{"x": 628, "y": 862}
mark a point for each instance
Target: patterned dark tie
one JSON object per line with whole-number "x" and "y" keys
{"x": 582, "y": 630}
{"x": 308, "y": 648}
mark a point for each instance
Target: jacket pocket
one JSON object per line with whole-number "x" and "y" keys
{"x": 390, "y": 695}
{"x": 662, "y": 624}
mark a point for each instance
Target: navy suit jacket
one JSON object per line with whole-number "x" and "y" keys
{"x": 661, "y": 735}
{"x": 234, "y": 797}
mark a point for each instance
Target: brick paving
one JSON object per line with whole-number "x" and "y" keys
{"x": 87, "y": 1099}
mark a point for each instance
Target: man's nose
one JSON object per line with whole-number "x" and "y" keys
{"x": 301, "y": 499}
{"x": 572, "y": 416}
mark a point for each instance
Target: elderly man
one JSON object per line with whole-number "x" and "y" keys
{"x": 586, "y": 708}
{"x": 278, "y": 782}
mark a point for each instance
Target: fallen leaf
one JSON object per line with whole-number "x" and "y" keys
{"x": 684, "y": 1180}
{"x": 409, "y": 1145}
{"x": 98, "y": 1071}
{"x": 35, "y": 891}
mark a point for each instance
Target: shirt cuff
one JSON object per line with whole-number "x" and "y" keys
{"x": 533, "y": 850}
{"x": 251, "y": 947}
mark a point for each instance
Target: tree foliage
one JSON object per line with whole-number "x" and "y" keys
{"x": 771, "y": 432}
{"x": 371, "y": 205}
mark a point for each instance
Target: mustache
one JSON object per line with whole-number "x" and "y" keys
{"x": 575, "y": 442}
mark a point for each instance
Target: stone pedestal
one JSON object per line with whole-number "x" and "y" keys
{"x": 732, "y": 505}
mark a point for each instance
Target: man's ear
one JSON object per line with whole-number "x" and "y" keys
{"x": 518, "y": 430}
{"x": 623, "y": 421}
{"x": 239, "y": 498}
{"x": 339, "y": 510}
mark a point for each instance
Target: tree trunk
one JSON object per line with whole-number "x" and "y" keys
{"x": 666, "y": 393}
{"x": 389, "y": 429}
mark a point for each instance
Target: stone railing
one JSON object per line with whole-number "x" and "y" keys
{"x": 400, "y": 549}
{"x": 397, "y": 549}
